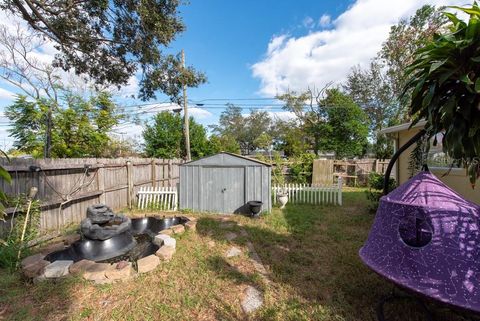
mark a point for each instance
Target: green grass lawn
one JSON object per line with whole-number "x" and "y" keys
{"x": 310, "y": 253}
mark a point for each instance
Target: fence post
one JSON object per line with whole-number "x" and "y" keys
{"x": 170, "y": 181}
{"x": 101, "y": 183}
{"x": 129, "y": 184}
{"x": 339, "y": 191}
{"x": 154, "y": 173}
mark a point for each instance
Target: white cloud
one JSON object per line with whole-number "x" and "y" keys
{"x": 325, "y": 20}
{"x": 199, "y": 113}
{"x": 327, "y": 56}
{"x": 6, "y": 94}
{"x": 308, "y": 22}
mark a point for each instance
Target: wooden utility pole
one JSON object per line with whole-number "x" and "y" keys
{"x": 186, "y": 125}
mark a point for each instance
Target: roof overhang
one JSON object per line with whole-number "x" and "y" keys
{"x": 402, "y": 127}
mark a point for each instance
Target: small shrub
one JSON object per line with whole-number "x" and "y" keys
{"x": 375, "y": 189}
{"x": 301, "y": 168}
{"x": 10, "y": 246}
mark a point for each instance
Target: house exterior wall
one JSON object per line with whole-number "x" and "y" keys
{"x": 456, "y": 179}
{"x": 224, "y": 183}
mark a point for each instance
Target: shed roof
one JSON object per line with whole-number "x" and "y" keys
{"x": 225, "y": 159}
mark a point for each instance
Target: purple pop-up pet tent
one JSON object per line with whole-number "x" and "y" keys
{"x": 426, "y": 239}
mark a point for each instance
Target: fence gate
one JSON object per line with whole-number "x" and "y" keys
{"x": 310, "y": 194}
{"x": 163, "y": 198}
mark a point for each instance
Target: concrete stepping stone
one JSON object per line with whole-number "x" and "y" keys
{"x": 57, "y": 269}
{"x": 148, "y": 263}
{"x": 227, "y": 224}
{"x": 233, "y": 251}
{"x": 231, "y": 236}
{"x": 252, "y": 300}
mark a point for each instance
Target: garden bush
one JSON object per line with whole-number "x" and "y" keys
{"x": 375, "y": 189}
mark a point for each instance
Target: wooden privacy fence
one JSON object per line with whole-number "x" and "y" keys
{"x": 310, "y": 194}
{"x": 66, "y": 187}
{"x": 353, "y": 171}
{"x": 164, "y": 198}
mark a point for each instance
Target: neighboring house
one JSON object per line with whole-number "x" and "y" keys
{"x": 436, "y": 161}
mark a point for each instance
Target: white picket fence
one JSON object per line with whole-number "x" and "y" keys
{"x": 310, "y": 194}
{"x": 164, "y": 198}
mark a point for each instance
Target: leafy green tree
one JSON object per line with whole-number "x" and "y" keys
{"x": 27, "y": 126}
{"x": 164, "y": 137}
{"x": 301, "y": 168}
{"x": 244, "y": 129}
{"x": 346, "y": 129}
{"x": 371, "y": 90}
{"x": 223, "y": 143}
{"x": 377, "y": 88}
{"x": 309, "y": 111}
{"x": 81, "y": 125}
{"x": 404, "y": 40}
{"x": 264, "y": 141}
{"x": 112, "y": 40}
{"x": 443, "y": 87}
{"x": 291, "y": 138}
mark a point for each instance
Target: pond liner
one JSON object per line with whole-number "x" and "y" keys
{"x": 121, "y": 245}
{"x": 426, "y": 239}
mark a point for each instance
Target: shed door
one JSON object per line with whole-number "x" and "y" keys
{"x": 223, "y": 189}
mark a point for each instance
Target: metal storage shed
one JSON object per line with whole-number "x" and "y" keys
{"x": 224, "y": 183}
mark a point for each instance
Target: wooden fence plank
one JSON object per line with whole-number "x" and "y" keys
{"x": 83, "y": 182}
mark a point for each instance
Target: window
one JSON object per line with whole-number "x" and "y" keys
{"x": 436, "y": 158}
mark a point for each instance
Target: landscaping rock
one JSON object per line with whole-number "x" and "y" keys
{"x": 178, "y": 229}
{"x": 57, "y": 269}
{"x": 231, "y": 236}
{"x": 96, "y": 272}
{"x": 35, "y": 269}
{"x": 39, "y": 278}
{"x": 80, "y": 267}
{"x": 166, "y": 231}
{"x": 171, "y": 242}
{"x": 54, "y": 247}
{"x": 191, "y": 225}
{"x": 253, "y": 299}
{"x": 148, "y": 263}
{"x": 120, "y": 272}
{"x": 122, "y": 264}
{"x": 165, "y": 253}
{"x": 72, "y": 238}
{"x": 32, "y": 259}
{"x": 160, "y": 238}
{"x": 233, "y": 251}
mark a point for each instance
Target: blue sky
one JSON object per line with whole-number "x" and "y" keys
{"x": 257, "y": 49}
{"x": 225, "y": 38}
